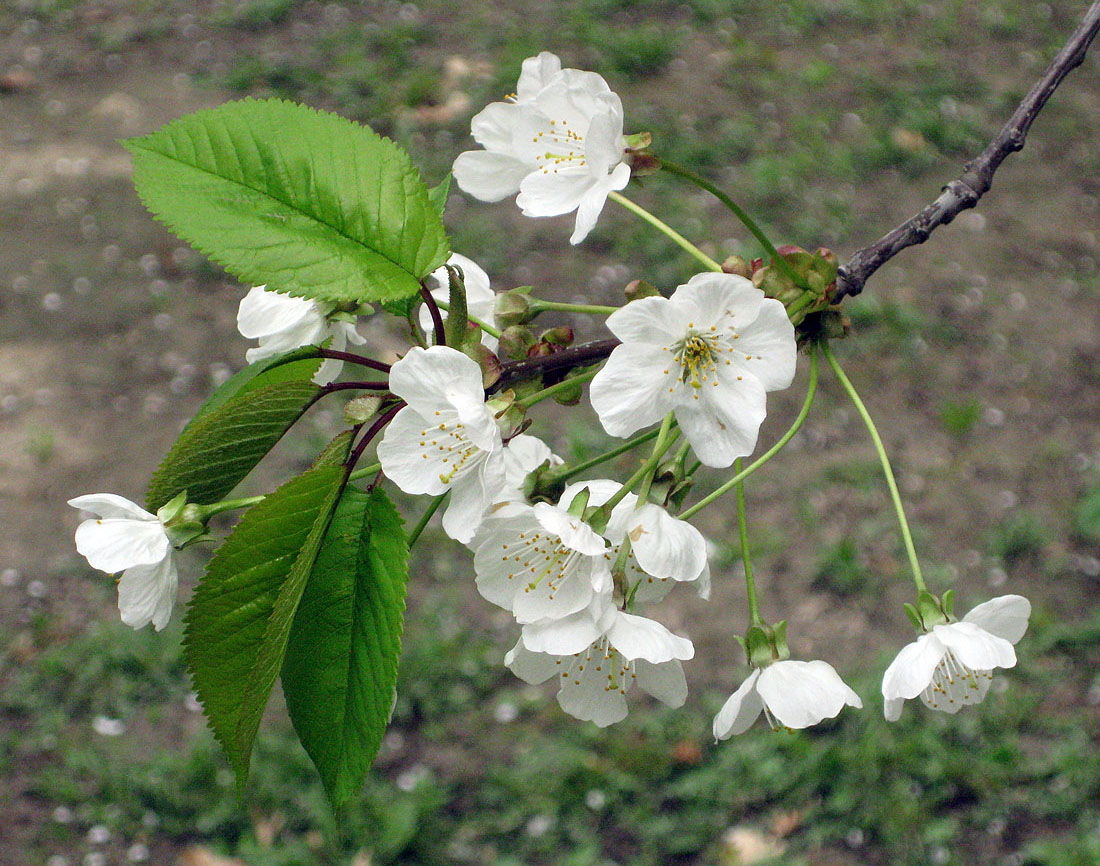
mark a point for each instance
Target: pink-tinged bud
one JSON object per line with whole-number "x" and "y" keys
{"x": 561, "y": 336}
{"x": 515, "y": 343}
{"x": 491, "y": 367}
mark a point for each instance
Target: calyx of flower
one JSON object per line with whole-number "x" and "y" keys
{"x": 184, "y": 524}
{"x": 764, "y": 644}
{"x": 931, "y": 611}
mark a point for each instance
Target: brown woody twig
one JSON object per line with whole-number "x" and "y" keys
{"x": 977, "y": 177}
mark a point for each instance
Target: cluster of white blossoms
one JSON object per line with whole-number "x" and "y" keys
{"x": 557, "y": 142}
{"x": 574, "y": 576}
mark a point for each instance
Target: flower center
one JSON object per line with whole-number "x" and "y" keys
{"x": 954, "y": 684}
{"x": 697, "y": 357}
{"x": 456, "y": 446}
{"x": 542, "y": 558}
{"x": 565, "y": 147}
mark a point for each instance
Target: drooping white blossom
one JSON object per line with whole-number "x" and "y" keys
{"x": 282, "y": 323}
{"x": 709, "y": 353}
{"x": 445, "y": 438}
{"x": 523, "y": 455}
{"x": 952, "y": 665}
{"x": 594, "y": 681}
{"x": 791, "y": 694}
{"x": 480, "y": 298}
{"x": 541, "y": 562}
{"x": 664, "y": 550}
{"x": 125, "y": 537}
{"x": 558, "y": 142}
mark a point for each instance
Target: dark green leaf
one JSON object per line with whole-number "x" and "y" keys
{"x": 300, "y": 365}
{"x": 340, "y": 668}
{"x": 216, "y": 451}
{"x": 238, "y": 620}
{"x": 303, "y": 201}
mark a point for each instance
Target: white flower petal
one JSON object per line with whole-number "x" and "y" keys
{"x": 647, "y": 320}
{"x": 116, "y": 544}
{"x": 146, "y": 593}
{"x": 566, "y": 636}
{"x": 975, "y": 647}
{"x": 911, "y": 670}
{"x": 471, "y": 494}
{"x": 413, "y": 467}
{"x": 770, "y": 341}
{"x": 537, "y": 72}
{"x": 740, "y": 710}
{"x": 543, "y": 193}
{"x": 800, "y": 694}
{"x": 665, "y": 546}
{"x": 573, "y": 532}
{"x": 719, "y": 300}
{"x": 603, "y": 146}
{"x": 110, "y": 505}
{"x": 665, "y": 681}
{"x": 588, "y": 689}
{"x": 1004, "y": 617}
{"x": 262, "y": 313}
{"x": 636, "y": 637}
{"x": 489, "y": 175}
{"x": 725, "y": 423}
{"x": 630, "y": 392}
{"x": 531, "y": 667}
{"x": 892, "y": 708}
{"x": 427, "y": 379}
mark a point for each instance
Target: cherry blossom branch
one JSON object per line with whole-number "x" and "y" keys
{"x": 575, "y": 356}
{"x": 977, "y": 177}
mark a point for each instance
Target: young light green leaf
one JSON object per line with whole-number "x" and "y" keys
{"x": 340, "y": 668}
{"x": 438, "y": 194}
{"x": 301, "y": 200}
{"x": 240, "y": 613}
{"x": 216, "y": 451}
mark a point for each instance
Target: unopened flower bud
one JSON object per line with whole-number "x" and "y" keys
{"x": 515, "y": 343}
{"x": 636, "y": 289}
{"x": 512, "y": 308}
{"x": 738, "y": 265}
{"x": 361, "y": 409}
{"x": 491, "y": 367}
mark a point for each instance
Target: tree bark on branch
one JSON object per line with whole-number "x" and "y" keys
{"x": 977, "y": 177}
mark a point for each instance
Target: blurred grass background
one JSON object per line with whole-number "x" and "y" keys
{"x": 830, "y": 119}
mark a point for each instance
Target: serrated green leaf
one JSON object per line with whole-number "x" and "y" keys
{"x": 438, "y": 194}
{"x": 239, "y": 617}
{"x": 216, "y": 451}
{"x": 340, "y": 668}
{"x": 299, "y": 365}
{"x": 301, "y": 200}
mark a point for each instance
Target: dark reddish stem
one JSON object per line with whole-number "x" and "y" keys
{"x": 349, "y": 386}
{"x": 437, "y": 319}
{"x": 372, "y": 431}
{"x": 352, "y": 358}
{"x": 567, "y": 359}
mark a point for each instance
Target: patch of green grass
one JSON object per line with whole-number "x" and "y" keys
{"x": 959, "y": 417}
{"x": 1019, "y": 537}
{"x": 841, "y": 570}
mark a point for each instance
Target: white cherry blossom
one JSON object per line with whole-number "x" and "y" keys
{"x": 952, "y": 665}
{"x": 282, "y": 323}
{"x": 630, "y": 650}
{"x": 523, "y": 455}
{"x": 541, "y": 562}
{"x": 709, "y": 353}
{"x": 480, "y": 298}
{"x": 445, "y": 438}
{"x": 558, "y": 142}
{"x": 664, "y": 550}
{"x": 125, "y": 537}
{"x": 791, "y": 694}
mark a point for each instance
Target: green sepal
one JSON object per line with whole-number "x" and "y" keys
{"x": 580, "y": 502}
{"x": 514, "y": 307}
{"x": 914, "y": 616}
{"x": 930, "y": 610}
{"x": 779, "y": 640}
{"x": 758, "y": 647}
{"x": 949, "y": 604}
